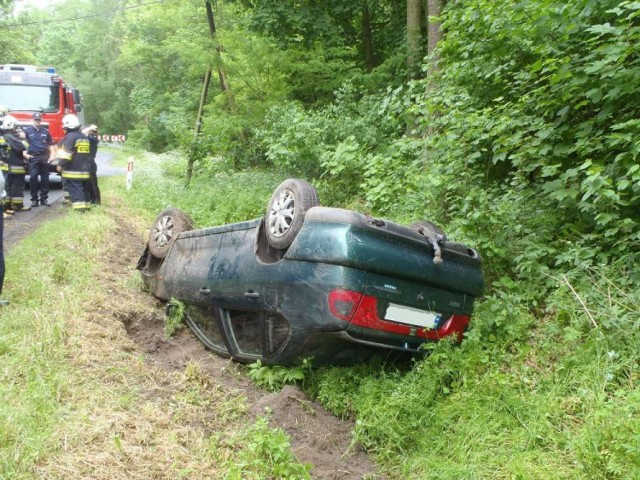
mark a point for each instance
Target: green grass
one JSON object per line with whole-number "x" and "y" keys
{"x": 159, "y": 183}
{"x": 77, "y": 398}
{"x": 540, "y": 389}
{"x": 532, "y": 396}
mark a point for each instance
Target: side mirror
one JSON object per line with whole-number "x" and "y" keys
{"x": 78, "y": 107}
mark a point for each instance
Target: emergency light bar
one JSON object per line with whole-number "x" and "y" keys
{"x": 27, "y": 68}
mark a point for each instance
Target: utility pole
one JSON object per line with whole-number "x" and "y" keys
{"x": 224, "y": 86}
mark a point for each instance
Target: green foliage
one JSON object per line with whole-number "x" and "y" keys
{"x": 533, "y": 115}
{"x": 335, "y": 144}
{"x": 275, "y": 377}
{"x": 524, "y": 144}
{"x": 226, "y": 197}
{"x": 536, "y": 397}
{"x": 266, "y": 454}
{"x": 174, "y": 319}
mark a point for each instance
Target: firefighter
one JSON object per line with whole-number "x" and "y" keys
{"x": 39, "y": 154}
{"x": 73, "y": 162}
{"x": 93, "y": 191}
{"x": 13, "y": 151}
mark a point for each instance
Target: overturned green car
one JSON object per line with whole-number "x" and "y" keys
{"x": 311, "y": 281}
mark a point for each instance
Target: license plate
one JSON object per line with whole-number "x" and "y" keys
{"x": 412, "y": 316}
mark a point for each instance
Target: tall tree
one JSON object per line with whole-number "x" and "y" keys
{"x": 413, "y": 31}
{"x": 367, "y": 37}
{"x": 434, "y": 32}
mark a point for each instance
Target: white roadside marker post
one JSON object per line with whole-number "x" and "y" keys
{"x": 129, "y": 173}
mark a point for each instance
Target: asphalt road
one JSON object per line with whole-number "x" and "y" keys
{"x": 23, "y": 223}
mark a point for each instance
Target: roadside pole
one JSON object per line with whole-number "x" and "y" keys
{"x": 129, "y": 173}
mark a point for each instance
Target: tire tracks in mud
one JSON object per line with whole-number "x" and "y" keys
{"x": 317, "y": 437}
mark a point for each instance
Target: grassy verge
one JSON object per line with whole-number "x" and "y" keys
{"x": 78, "y": 399}
{"x": 536, "y": 390}
{"x": 220, "y": 197}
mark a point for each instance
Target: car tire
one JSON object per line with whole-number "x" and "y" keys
{"x": 286, "y": 211}
{"x": 165, "y": 229}
{"x": 429, "y": 226}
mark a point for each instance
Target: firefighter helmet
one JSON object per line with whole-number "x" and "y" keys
{"x": 9, "y": 122}
{"x": 70, "y": 122}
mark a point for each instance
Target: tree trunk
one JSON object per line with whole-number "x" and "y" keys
{"x": 367, "y": 37}
{"x": 434, "y": 35}
{"x": 413, "y": 32}
{"x": 224, "y": 86}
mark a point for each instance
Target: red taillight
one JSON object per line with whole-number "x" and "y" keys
{"x": 343, "y": 303}
{"x": 362, "y": 311}
{"x": 367, "y": 316}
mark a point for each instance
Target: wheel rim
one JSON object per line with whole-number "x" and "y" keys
{"x": 281, "y": 214}
{"x": 163, "y": 231}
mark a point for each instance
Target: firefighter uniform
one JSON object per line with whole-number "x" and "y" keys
{"x": 11, "y": 151}
{"x": 93, "y": 191}
{"x": 73, "y": 156}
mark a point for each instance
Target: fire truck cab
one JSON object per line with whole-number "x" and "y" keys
{"x": 26, "y": 89}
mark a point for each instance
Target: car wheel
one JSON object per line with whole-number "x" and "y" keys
{"x": 417, "y": 226}
{"x": 165, "y": 229}
{"x": 287, "y": 208}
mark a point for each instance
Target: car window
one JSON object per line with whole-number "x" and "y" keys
{"x": 203, "y": 321}
{"x": 248, "y": 331}
{"x": 277, "y": 332}
{"x": 245, "y": 328}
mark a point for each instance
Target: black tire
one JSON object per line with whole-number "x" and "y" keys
{"x": 286, "y": 210}
{"x": 429, "y": 226}
{"x": 165, "y": 229}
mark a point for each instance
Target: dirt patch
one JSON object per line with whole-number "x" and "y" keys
{"x": 317, "y": 437}
{"x": 24, "y": 223}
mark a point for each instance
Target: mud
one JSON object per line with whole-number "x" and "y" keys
{"x": 317, "y": 437}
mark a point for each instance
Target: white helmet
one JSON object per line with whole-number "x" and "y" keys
{"x": 70, "y": 121}
{"x": 3, "y": 110}
{"x": 9, "y": 122}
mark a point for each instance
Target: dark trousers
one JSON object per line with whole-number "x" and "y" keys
{"x": 39, "y": 177}
{"x": 1, "y": 251}
{"x": 77, "y": 195}
{"x": 15, "y": 190}
{"x": 92, "y": 190}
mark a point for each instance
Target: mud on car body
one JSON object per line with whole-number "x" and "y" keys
{"x": 311, "y": 281}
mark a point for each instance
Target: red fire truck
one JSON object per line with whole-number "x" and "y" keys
{"x": 26, "y": 89}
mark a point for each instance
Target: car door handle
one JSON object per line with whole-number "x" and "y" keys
{"x": 251, "y": 294}
{"x": 204, "y": 291}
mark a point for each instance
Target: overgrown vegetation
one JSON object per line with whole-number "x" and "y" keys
{"x": 540, "y": 388}
{"x": 522, "y": 142}
{"x": 275, "y": 377}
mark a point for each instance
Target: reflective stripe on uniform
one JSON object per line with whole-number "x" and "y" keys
{"x": 75, "y": 175}
{"x": 80, "y": 205}
{"x": 17, "y": 170}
